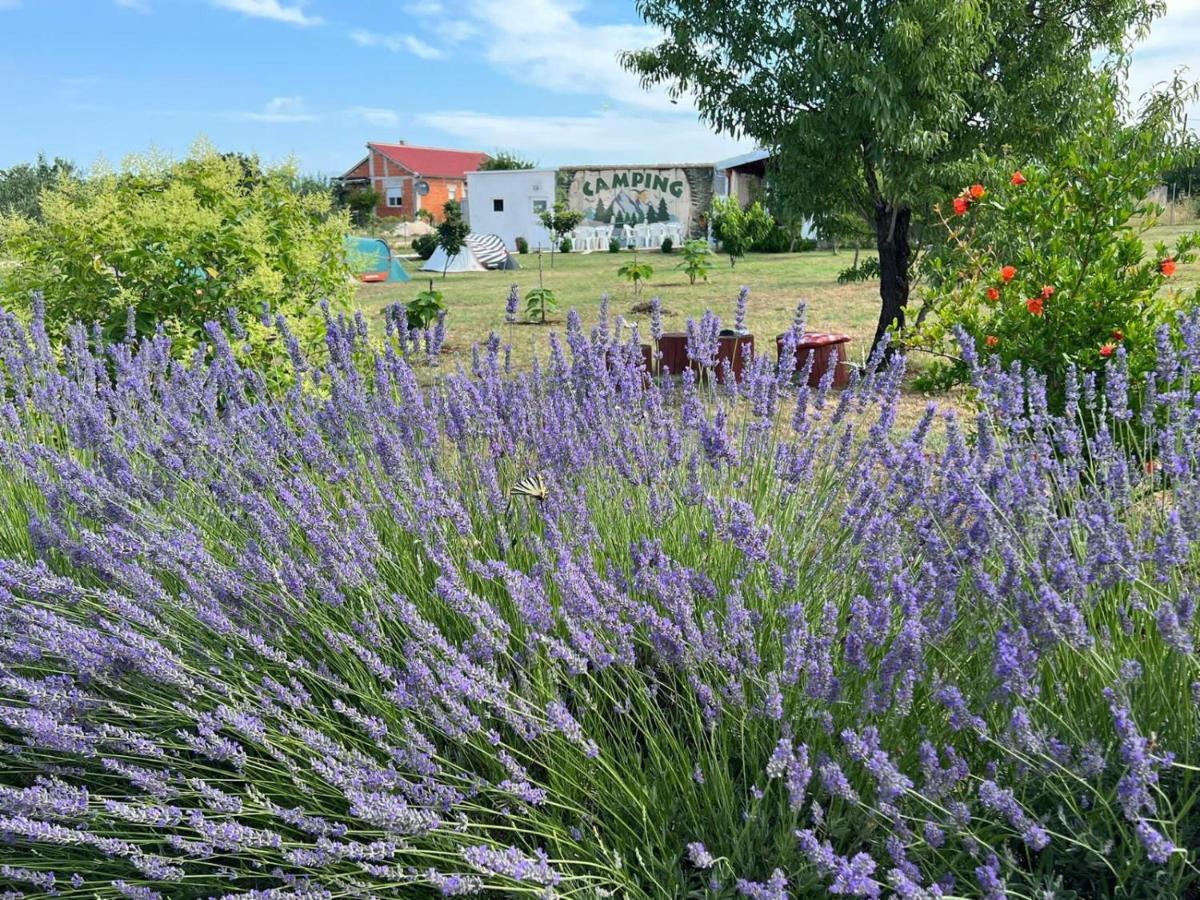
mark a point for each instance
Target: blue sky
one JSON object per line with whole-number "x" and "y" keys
{"x": 316, "y": 79}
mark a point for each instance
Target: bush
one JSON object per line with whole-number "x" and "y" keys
{"x": 776, "y": 240}
{"x": 697, "y": 260}
{"x": 614, "y": 245}
{"x": 668, "y": 246}
{"x": 522, "y": 246}
{"x": 1047, "y": 265}
{"x": 371, "y": 640}
{"x": 363, "y": 203}
{"x": 181, "y": 244}
{"x": 738, "y": 229}
{"x": 565, "y": 245}
{"x": 425, "y": 244}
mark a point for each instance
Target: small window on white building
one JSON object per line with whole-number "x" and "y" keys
{"x": 498, "y": 204}
{"x": 395, "y": 197}
{"x": 539, "y": 206}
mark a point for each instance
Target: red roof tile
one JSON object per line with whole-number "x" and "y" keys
{"x": 432, "y": 161}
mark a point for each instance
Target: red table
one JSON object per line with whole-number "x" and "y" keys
{"x": 829, "y": 351}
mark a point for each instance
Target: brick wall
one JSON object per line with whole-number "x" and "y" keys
{"x": 385, "y": 169}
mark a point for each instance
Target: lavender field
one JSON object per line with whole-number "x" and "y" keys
{"x": 720, "y": 641}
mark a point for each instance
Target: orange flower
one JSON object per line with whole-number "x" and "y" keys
{"x": 1107, "y": 350}
{"x": 1047, "y": 291}
{"x": 1167, "y": 267}
{"x": 977, "y": 191}
{"x": 1118, "y": 334}
{"x": 992, "y": 340}
{"x": 1008, "y": 273}
{"x": 1017, "y": 178}
{"x": 993, "y": 294}
{"x": 1034, "y": 305}
{"x": 961, "y": 205}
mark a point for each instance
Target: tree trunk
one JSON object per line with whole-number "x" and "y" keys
{"x": 891, "y": 236}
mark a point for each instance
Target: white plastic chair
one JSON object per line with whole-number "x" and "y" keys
{"x": 581, "y": 239}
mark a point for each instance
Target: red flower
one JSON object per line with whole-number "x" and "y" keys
{"x": 1167, "y": 267}
{"x": 1118, "y": 334}
{"x": 1107, "y": 350}
{"x": 1047, "y": 291}
{"x": 977, "y": 191}
{"x": 993, "y": 294}
{"x": 961, "y": 205}
{"x": 992, "y": 340}
{"x": 1008, "y": 273}
{"x": 1034, "y": 305}
{"x": 1017, "y": 178}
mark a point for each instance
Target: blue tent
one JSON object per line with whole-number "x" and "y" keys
{"x": 372, "y": 260}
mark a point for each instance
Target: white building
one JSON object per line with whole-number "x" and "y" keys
{"x": 508, "y": 202}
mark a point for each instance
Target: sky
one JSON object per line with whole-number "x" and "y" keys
{"x": 315, "y": 80}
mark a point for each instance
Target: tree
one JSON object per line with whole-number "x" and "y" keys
{"x": 21, "y": 186}
{"x": 739, "y": 229}
{"x": 664, "y": 214}
{"x": 600, "y": 214}
{"x": 452, "y": 231}
{"x": 181, "y": 244}
{"x": 503, "y": 160}
{"x": 879, "y": 108}
{"x": 560, "y": 221}
{"x": 637, "y": 272}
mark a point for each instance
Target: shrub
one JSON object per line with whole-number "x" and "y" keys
{"x": 424, "y": 245}
{"x": 636, "y": 272}
{"x": 614, "y": 245}
{"x": 522, "y": 246}
{"x": 362, "y": 204}
{"x": 1047, "y": 264}
{"x": 565, "y": 245}
{"x": 776, "y": 239}
{"x": 181, "y": 243}
{"x": 424, "y": 309}
{"x": 738, "y": 229}
{"x": 373, "y": 640}
{"x": 697, "y": 260}
{"x": 540, "y": 302}
{"x": 21, "y": 185}
{"x": 668, "y": 246}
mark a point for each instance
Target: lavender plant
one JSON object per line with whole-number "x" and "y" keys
{"x": 753, "y": 641}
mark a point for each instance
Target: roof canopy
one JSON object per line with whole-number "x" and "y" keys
{"x": 432, "y": 162}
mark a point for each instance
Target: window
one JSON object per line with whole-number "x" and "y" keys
{"x": 454, "y": 192}
{"x": 395, "y": 197}
{"x": 497, "y": 205}
{"x": 539, "y": 206}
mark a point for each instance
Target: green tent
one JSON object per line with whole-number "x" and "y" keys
{"x": 371, "y": 259}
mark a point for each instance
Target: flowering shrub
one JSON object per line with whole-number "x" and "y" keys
{"x": 181, "y": 243}
{"x": 1047, "y": 265}
{"x": 742, "y": 640}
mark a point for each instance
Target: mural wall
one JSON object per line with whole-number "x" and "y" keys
{"x": 637, "y": 195}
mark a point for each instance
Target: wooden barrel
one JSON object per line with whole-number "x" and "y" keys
{"x": 828, "y": 352}
{"x": 673, "y": 347}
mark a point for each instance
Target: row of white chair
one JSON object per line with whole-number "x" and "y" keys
{"x": 646, "y": 236}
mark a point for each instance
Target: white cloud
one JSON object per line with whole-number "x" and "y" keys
{"x": 270, "y": 9}
{"x": 141, "y": 6}
{"x": 9, "y": 4}
{"x": 546, "y": 45}
{"x": 606, "y": 137}
{"x": 396, "y": 43}
{"x": 281, "y": 110}
{"x": 1170, "y": 46}
{"x": 374, "y": 115}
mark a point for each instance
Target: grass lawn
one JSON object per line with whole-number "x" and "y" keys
{"x": 777, "y": 282}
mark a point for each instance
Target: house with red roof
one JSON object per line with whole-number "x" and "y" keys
{"x": 410, "y": 178}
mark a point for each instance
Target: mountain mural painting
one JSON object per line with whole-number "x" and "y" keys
{"x": 639, "y": 195}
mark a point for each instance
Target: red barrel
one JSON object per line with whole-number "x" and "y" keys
{"x": 829, "y": 351}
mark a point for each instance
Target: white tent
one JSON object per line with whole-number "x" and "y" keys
{"x": 481, "y": 252}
